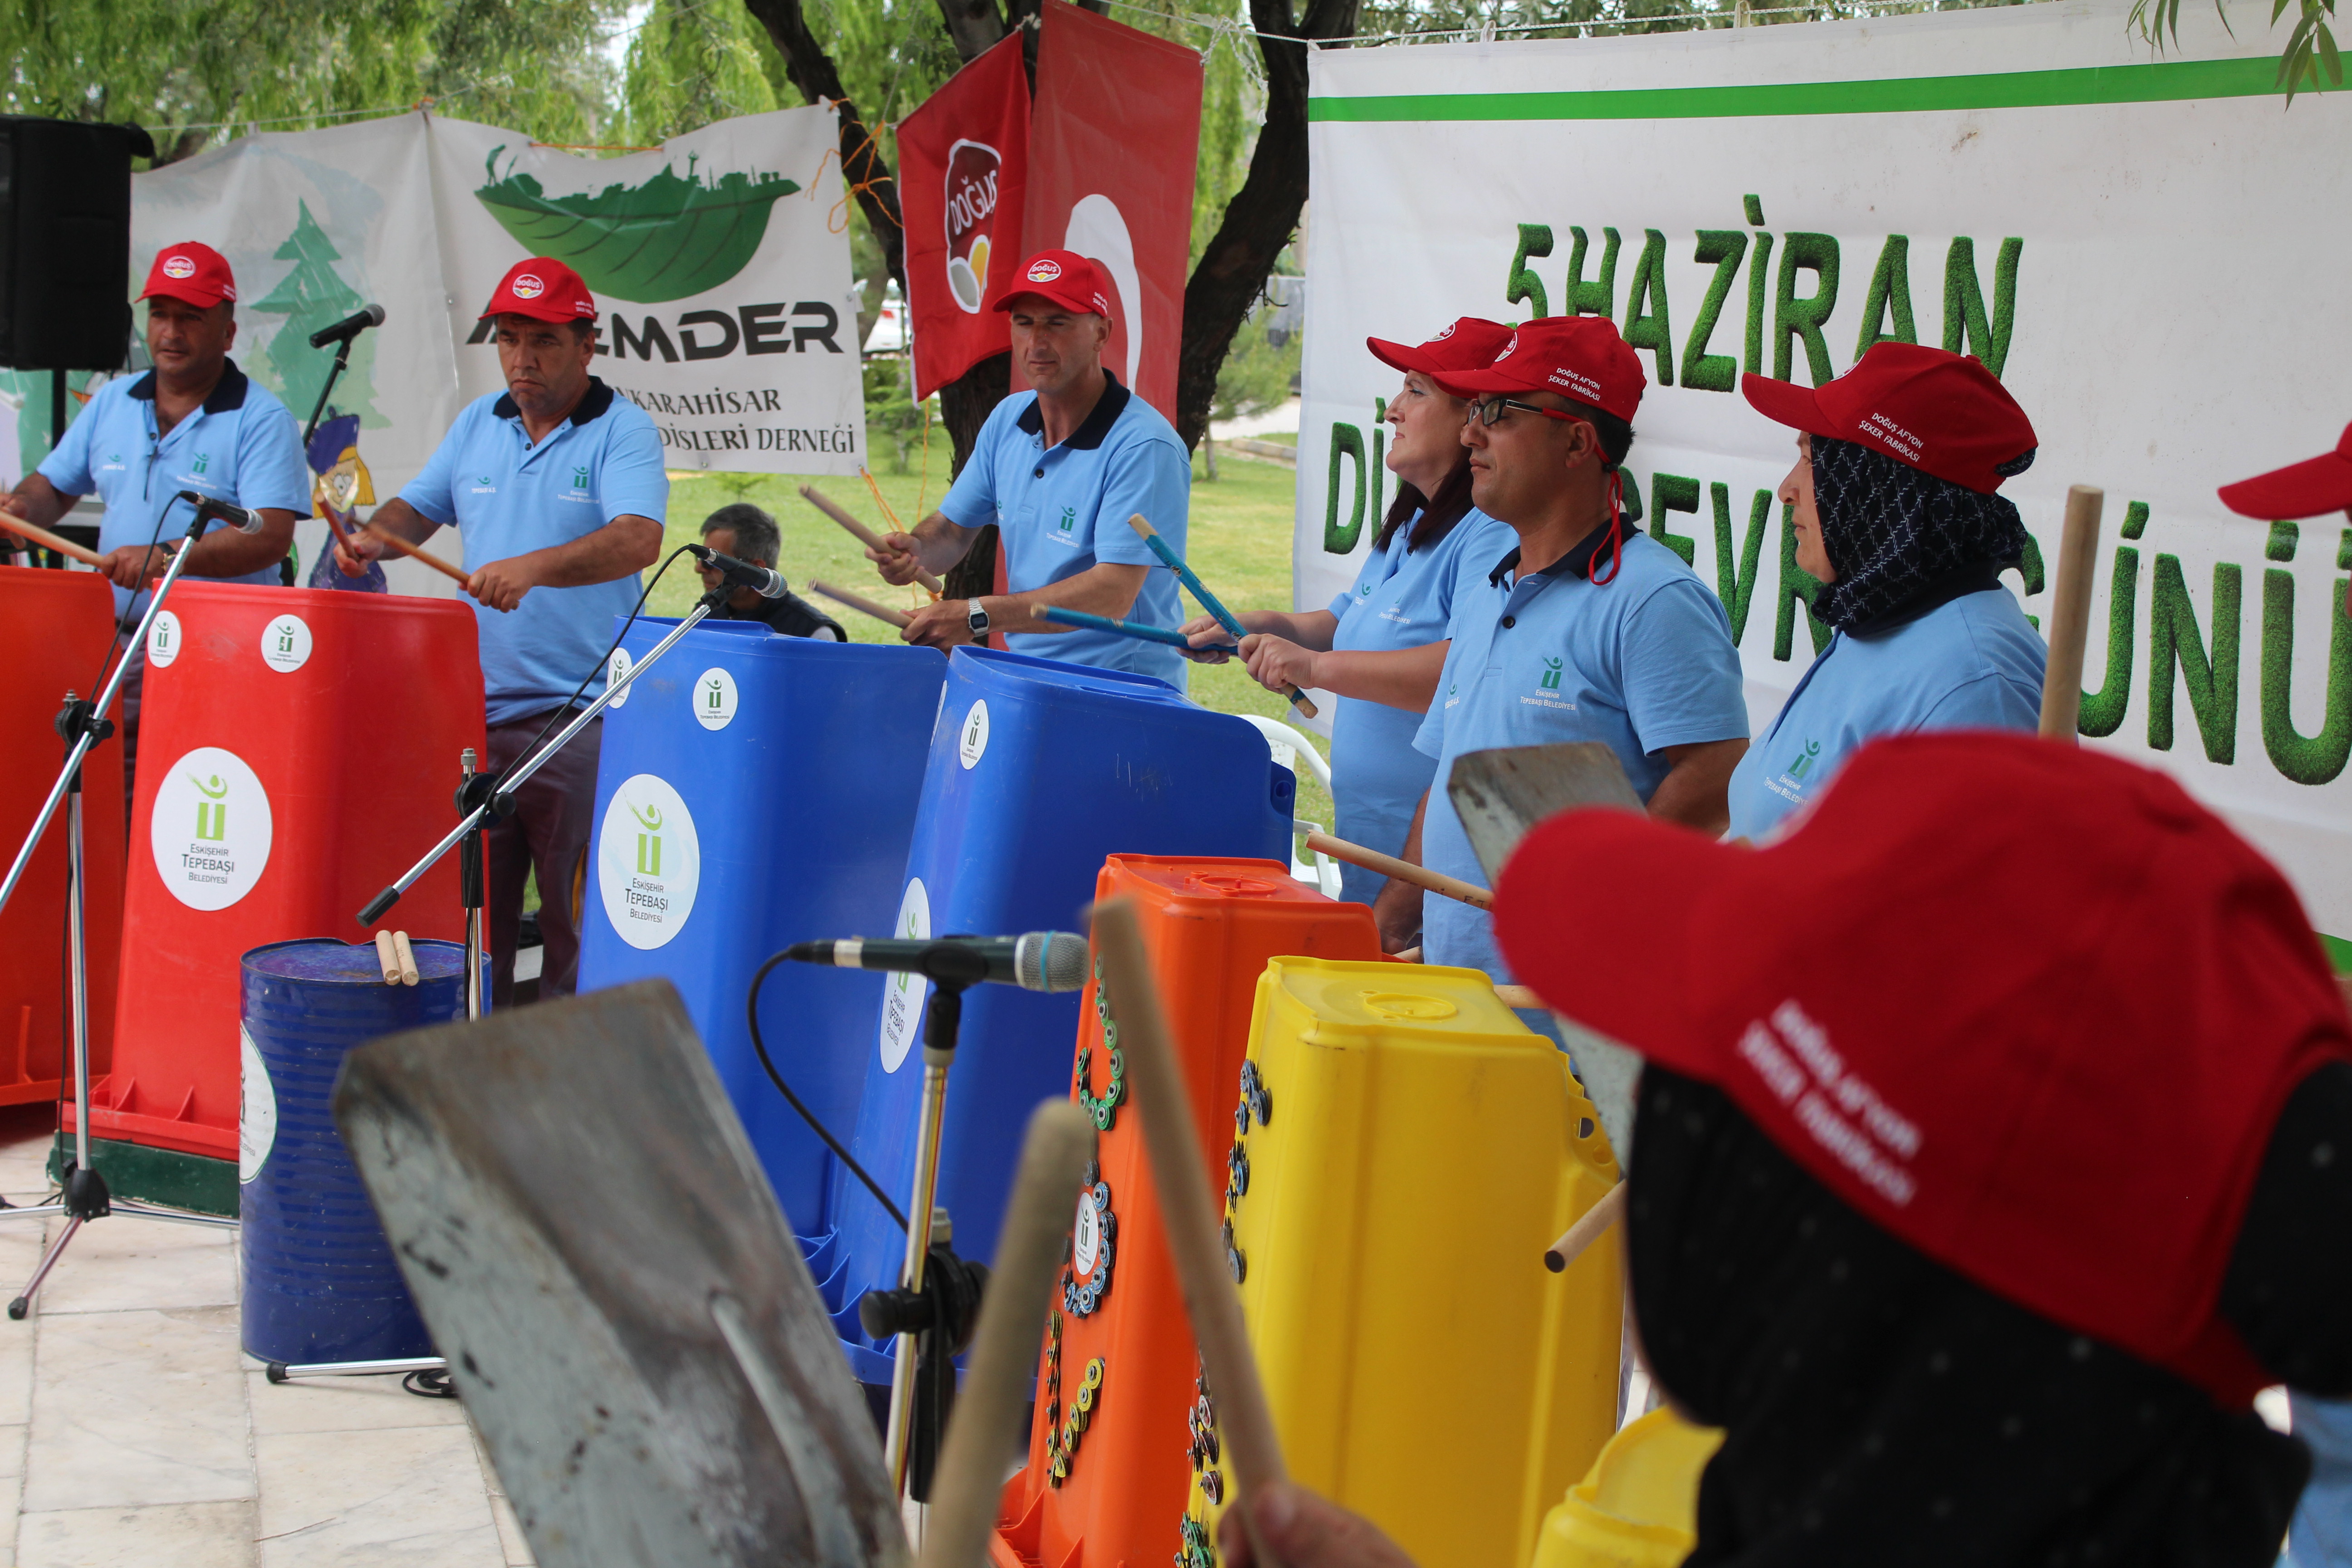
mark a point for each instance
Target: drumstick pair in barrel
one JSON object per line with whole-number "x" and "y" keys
{"x": 396, "y": 958}
{"x": 965, "y": 1492}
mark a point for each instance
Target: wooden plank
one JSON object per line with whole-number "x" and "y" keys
{"x": 592, "y": 1241}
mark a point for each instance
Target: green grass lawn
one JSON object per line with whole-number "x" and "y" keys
{"x": 1239, "y": 542}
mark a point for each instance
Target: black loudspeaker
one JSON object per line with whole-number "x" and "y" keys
{"x": 65, "y": 242}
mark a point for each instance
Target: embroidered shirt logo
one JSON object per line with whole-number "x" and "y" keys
{"x": 1069, "y": 518}
{"x": 1551, "y": 682}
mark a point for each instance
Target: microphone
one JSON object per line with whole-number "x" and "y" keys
{"x": 244, "y": 522}
{"x": 769, "y": 583}
{"x": 347, "y": 329}
{"x": 1036, "y": 961}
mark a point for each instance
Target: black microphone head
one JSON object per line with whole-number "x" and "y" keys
{"x": 1050, "y": 960}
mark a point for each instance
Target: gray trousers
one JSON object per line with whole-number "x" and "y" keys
{"x": 548, "y": 834}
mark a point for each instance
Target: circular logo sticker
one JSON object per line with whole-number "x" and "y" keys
{"x": 1044, "y": 269}
{"x": 648, "y": 862}
{"x": 903, "y": 994}
{"x": 974, "y": 742}
{"x": 286, "y": 644}
{"x": 527, "y": 285}
{"x": 164, "y": 639}
{"x": 210, "y": 830}
{"x": 257, "y": 1120}
{"x": 714, "y": 699}
{"x": 179, "y": 266}
{"x": 616, "y": 672}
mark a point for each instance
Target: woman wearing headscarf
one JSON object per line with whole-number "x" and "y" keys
{"x": 1379, "y": 645}
{"x": 1895, "y": 511}
{"x": 1976, "y": 1205}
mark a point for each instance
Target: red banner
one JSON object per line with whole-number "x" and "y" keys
{"x": 961, "y": 159}
{"x": 1111, "y": 154}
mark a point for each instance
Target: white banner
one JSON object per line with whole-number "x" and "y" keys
{"x": 2148, "y": 252}
{"x": 729, "y": 313}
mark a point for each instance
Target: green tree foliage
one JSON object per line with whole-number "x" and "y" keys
{"x": 195, "y": 72}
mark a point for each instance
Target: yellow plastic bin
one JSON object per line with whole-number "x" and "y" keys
{"x": 1405, "y": 1151}
{"x": 1639, "y": 1506}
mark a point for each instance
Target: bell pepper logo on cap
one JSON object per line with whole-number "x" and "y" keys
{"x": 527, "y": 285}
{"x": 179, "y": 266}
{"x": 973, "y": 170}
{"x": 1044, "y": 269}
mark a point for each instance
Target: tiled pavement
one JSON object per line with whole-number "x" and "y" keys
{"x": 132, "y": 1430}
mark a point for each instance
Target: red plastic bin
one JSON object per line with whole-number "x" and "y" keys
{"x": 62, "y": 625}
{"x": 298, "y": 750}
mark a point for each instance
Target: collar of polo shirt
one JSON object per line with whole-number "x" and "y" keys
{"x": 1577, "y": 562}
{"x": 1096, "y": 425}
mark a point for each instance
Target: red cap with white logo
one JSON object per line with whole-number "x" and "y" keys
{"x": 2047, "y": 1051}
{"x": 1579, "y": 357}
{"x": 544, "y": 290}
{"x": 1941, "y": 413}
{"x": 195, "y": 273}
{"x": 1064, "y": 277}
{"x": 1470, "y": 344}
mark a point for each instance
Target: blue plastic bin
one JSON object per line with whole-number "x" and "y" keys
{"x": 751, "y": 791}
{"x": 320, "y": 1283}
{"x": 1039, "y": 771}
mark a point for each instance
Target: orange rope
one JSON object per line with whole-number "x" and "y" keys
{"x": 866, "y": 474}
{"x": 926, "y": 489}
{"x": 838, "y": 218}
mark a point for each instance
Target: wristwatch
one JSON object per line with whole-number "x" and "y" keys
{"x": 977, "y": 619}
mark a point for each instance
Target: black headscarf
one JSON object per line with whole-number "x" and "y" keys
{"x": 1902, "y": 540}
{"x": 1882, "y": 1409}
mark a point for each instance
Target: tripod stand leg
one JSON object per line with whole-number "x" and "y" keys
{"x": 24, "y": 1304}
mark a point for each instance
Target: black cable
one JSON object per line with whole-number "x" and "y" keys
{"x": 564, "y": 712}
{"x": 751, "y": 1010}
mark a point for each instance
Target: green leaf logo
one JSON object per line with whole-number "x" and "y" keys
{"x": 664, "y": 240}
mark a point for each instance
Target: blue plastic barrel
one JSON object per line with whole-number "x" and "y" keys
{"x": 753, "y": 791}
{"x": 321, "y": 1283}
{"x": 1039, "y": 770}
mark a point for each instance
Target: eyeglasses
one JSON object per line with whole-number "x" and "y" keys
{"x": 1489, "y": 411}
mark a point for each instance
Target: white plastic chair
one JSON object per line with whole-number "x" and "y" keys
{"x": 1290, "y": 748}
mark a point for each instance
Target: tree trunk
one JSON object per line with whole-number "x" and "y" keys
{"x": 1263, "y": 215}
{"x": 812, "y": 71}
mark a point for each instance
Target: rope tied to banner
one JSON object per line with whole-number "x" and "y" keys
{"x": 838, "y": 218}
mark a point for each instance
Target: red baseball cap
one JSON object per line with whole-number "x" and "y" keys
{"x": 1940, "y": 412}
{"x": 195, "y": 273}
{"x": 2031, "y": 1008}
{"x": 1470, "y": 344}
{"x": 1064, "y": 277}
{"x": 1579, "y": 357}
{"x": 544, "y": 290}
{"x": 2321, "y": 484}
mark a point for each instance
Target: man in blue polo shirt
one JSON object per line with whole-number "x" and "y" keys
{"x": 557, "y": 492}
{"x": 1590, "y": 630}
{"x": 195, "y": 422}
{"x": 1059, "y": 473}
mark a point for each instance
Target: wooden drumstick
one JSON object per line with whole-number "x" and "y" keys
{"x": 406, "y": 954}
{"x": 387, "y": 957}
{"x": 1586, "y": 1230}
{"x": 897, "y": 619}
{"x": 16, "y": 525}
{"x": 1403, "y": 870}
{"x": 986, "y": 1424}
{"x": 2070, "y": 613}
{"x": 454, "y": 574}
{"x": 864, "y": 534}
{"x": 1518, "y": 998}
{"x": 1210, "y": 1301}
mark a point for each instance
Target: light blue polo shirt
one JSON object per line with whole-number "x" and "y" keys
{"x": 1643, "y": 662}
{"x": 1057, "y": 512}
{"x": 1401, "y": 598}
{"x": 1973, "y": 663}
{"x": 507, "y": 497}
{"x": 241, "y": 447}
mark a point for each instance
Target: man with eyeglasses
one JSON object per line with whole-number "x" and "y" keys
{"x": 1588, "y": 630}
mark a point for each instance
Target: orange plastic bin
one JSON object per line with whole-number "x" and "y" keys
{"x": 62, "y": 625}
{"x": 1210, "y": 926}
{"x": 298, "y": 750}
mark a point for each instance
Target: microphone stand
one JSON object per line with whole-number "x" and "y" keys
{"x": 82, "y": 725}
{"x": 334, "y": 374}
